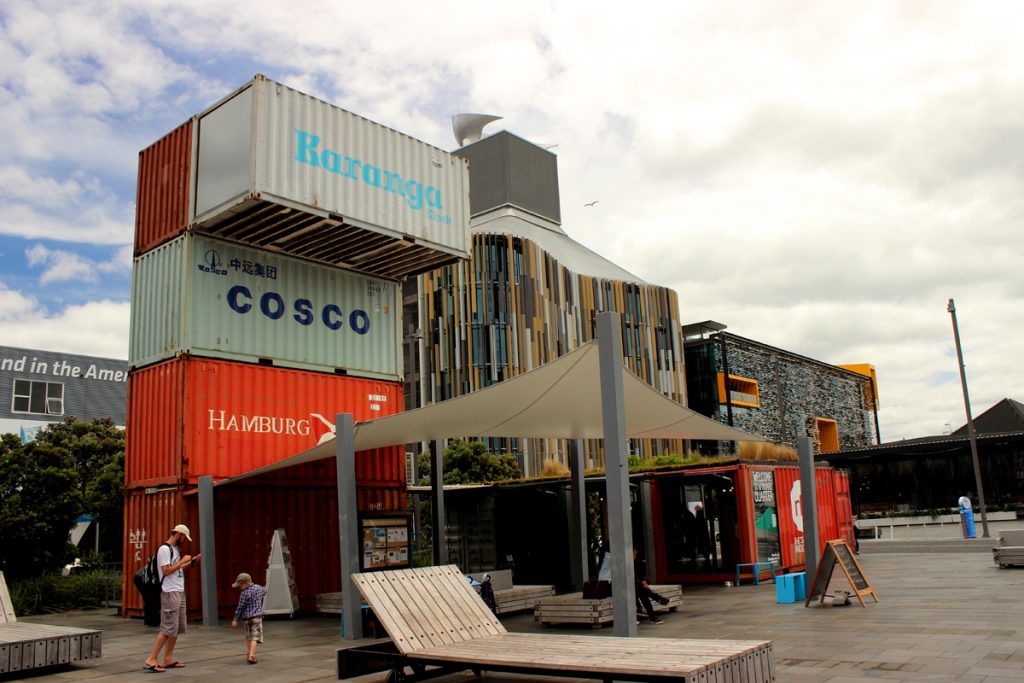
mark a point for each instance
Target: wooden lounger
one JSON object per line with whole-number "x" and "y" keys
{"x": 573, "y": 608}
{"x": 435, "y": 619}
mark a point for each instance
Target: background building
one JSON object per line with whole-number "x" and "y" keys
{"x": 39, "y": 387}
{"x": 932, "y": 472}
{"x": 527, "y": 295}
{"x": 778, "y": 394}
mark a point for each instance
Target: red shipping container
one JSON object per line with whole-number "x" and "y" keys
{"x": 791, "y": 526}
{"x": 192, "y": 417}
{"x": 162, "y": 196}
{"x": 245, "y": 517}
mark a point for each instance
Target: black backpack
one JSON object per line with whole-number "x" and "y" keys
{"x": 487, "y": 593}
{"x": 149, "y": 578}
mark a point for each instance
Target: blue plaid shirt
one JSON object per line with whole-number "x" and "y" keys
{"x": 250, "y": 602}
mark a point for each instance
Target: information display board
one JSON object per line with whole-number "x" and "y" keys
{"x": 838, "y": 553}
{"x": 385, "y": 542}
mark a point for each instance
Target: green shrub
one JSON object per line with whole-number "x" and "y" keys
{"x": 51, "y": 593}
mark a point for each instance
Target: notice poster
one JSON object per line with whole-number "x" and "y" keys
{"x": 385, "y": 542}
{"x": 766, "y": 518}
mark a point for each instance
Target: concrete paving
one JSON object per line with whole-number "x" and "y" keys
{"x": 943, "y": 616}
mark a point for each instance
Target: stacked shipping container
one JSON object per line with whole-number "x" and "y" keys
{"x": 251, "y": 328}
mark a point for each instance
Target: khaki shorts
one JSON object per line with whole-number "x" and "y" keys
{"x": 254, "y": 629}
{"x": 172, "y": 614}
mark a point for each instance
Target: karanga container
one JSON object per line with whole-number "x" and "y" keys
{"x": 190, "y": 417}
{"x": 245, "y": 517}
{"x": 205, "y": 297}
{"x": 274, "y": 168}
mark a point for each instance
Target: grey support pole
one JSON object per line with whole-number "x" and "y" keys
{"x": 207, "y": 547}
{"x": 438, "y": 521}
{"x": 578, "y": 569}
{"x": 620, "y": 528}
{"x": 809, "y": 506}
{"x": 348, "y": 526}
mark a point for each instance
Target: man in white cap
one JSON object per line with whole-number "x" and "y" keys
{"x": 172, "y": 600}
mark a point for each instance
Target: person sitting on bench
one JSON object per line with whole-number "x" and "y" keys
{"x": 644, "y": 594}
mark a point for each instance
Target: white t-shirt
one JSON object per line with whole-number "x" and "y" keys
{"x": 175, "y": 581}
{"x": 965, "y": 503}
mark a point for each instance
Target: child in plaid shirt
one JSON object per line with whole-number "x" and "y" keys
{"x": 250, "y": 611}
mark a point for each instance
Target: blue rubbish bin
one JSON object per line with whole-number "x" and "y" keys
{"x": 968, "y": 516}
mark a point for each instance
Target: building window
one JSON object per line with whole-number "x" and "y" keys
{"x": 828, "y": 434}
{"x": 39, "y": 398}
{"x": 743, "y": 391}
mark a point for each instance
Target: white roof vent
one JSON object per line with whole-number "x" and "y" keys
{"x": 469, "y": 128}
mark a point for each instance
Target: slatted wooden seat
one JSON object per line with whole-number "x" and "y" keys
{"x": 573, "y": 608}
{"x": 434, "y": 618}
{"x": 510, "y": 598}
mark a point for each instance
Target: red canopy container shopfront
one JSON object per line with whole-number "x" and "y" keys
{"x": 705, "y": 521}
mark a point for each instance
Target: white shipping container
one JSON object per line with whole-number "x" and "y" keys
{"x": 267, "y": 143}
{"x": 205, "y": 297}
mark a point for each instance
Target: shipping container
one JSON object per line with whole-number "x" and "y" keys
{"x": 277, "y": 169}
{"x": 754, "y": 513}
{"x": 190, "y": 417}
{"x": 205, "y": 297}
{"x": 162, "y": 194}
{"x": 245, "y": 517}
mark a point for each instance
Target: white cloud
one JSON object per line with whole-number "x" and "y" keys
{"x": 820, "y": 177}
{"x": 60, "y": 265}
{"x": 97, "y": 328}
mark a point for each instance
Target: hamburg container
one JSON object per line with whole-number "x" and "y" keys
{"x": 190, "y": 417}
{"x": 245, "y": 517}
{"x": 274, "y": 168}
{"x": 205, "y": 297}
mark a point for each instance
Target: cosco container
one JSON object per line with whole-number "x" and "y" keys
{"x": 190, "y": 417}
{"x": 274, "y": 168}
{"x": 205, "y": 297}
{"x": 245, "y": 517}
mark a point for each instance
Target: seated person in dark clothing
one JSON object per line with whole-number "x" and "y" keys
{"x": 644, "y": 594}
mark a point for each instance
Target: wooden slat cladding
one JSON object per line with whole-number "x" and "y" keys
{"x": 513, "y": 307}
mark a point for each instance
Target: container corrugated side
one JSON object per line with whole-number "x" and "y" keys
{"x": 164, "y": 189}
{"x": 788, "y": 490}
{"x": 190, "y": 417}
{"x": 149, "y": 518}
{"x": 245, "y": 517}
{"x": 200, "y": 296}
{"x": 316, "y": 156}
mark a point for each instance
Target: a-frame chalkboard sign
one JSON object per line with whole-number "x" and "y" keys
{"x": 837, "y": 552}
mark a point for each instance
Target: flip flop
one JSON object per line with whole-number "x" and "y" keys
{"x": 250, "y": 660}
{"x": 153, "y": 668}
{"x": 174, "y": 665}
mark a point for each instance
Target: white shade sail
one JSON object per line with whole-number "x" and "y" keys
{"x": 561, "y": 399}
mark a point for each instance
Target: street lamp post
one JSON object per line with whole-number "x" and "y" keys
{"x": 970, "y": 420}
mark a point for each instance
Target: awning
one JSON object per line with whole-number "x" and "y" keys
{"x": 560, "y": 400}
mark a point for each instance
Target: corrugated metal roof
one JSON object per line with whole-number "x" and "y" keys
{"x": 551, "y": 238}
{"x": 1005, "y": 416}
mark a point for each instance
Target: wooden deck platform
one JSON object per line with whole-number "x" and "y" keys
{"x": 573, "y": 608}
{"x": 26, "y": 646}
{"x": 435, "y": 619}
{"x": 510, "y": 597}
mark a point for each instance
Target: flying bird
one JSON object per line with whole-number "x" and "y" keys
{"x": 592, "y": 203}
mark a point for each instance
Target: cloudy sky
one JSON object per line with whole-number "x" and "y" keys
{"x": 820, "y": 176}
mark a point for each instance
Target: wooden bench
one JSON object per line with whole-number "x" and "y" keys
{"x": 438, "y": 624}
{"x": 510, "y": 598}
{"x": 25, "y": 645}
{"x": 573, "y": 608}
{"x": 1010, "y": 550}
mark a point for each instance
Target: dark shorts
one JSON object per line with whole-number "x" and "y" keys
{"x": 172, "y": 614}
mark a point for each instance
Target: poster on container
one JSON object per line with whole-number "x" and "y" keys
{"x": 207, "y": 297}
{"x": 766, "y": 519}
{"x": 269, "y": 141}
